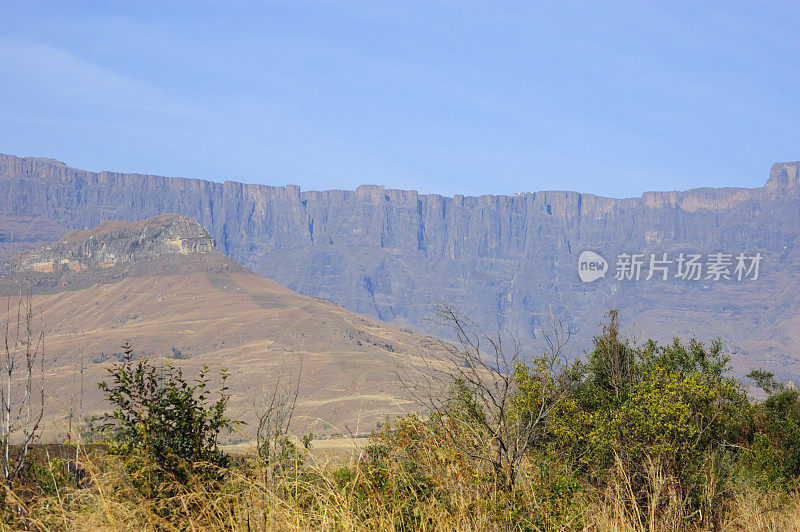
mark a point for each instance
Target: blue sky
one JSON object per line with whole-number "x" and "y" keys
{"x": 612, "y": 98}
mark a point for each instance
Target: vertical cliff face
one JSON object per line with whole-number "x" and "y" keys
{"x": 506, "y": 260}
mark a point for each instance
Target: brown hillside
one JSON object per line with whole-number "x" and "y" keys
{"x": 198, "y": 307}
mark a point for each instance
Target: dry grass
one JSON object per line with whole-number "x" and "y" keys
{"x": 747, "y": 510}
{"x": 742, "y": 508}
{"x": 311, "y": 498}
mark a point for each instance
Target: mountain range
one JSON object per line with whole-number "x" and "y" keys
{"x": 507, "y": 261}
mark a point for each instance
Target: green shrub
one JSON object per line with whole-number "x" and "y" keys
{"x": 158, "y": 415}
{"x": 49, "y": 476}
{"x": 774, "y": 456}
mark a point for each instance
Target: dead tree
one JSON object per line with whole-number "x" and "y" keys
{"x": 275, "y": 414}
{"x": 489, "y": 402}
{"x": 22, "y": 393}
{"x": 75, "y": 416}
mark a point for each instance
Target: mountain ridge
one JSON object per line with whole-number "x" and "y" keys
{"x": 505, "y": 260}
{"x": 782, "y": 174}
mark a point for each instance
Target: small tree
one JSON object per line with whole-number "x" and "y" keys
{"x": 275, "y": 415}
{"x": 612, "y": 362}
{"x": 22, "y": 393}
{"x": 496, "y": 405}
{"x": 161, "y": 416}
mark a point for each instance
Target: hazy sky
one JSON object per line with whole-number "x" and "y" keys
{"x": 613, "y": 98}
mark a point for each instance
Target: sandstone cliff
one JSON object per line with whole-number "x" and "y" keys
{"x": 506, "y": 260}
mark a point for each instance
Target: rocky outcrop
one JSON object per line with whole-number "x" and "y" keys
{"x": 506, "y": 260}
{"x": 114, "y": 242}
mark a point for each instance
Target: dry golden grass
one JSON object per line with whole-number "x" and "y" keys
{"x": 744, "y": 508}
{"x": 309, "y": 498}
{"x": 747, "y": 510}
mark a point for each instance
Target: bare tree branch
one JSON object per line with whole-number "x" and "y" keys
{"x": 478, "y": 385}
{"x": 23, "y": 349}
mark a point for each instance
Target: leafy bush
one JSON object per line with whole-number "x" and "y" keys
{"x": 774, "y": 455}
{"x": 669, "y": 410}
{"x": 161, "y": 417}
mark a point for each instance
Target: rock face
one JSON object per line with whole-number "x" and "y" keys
{"x": 506, "y": 260}
{"x": 114, "y": 242}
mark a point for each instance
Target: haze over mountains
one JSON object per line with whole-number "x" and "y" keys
{"x": 506, "y": 260}
{"x": 161, "y": 284}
